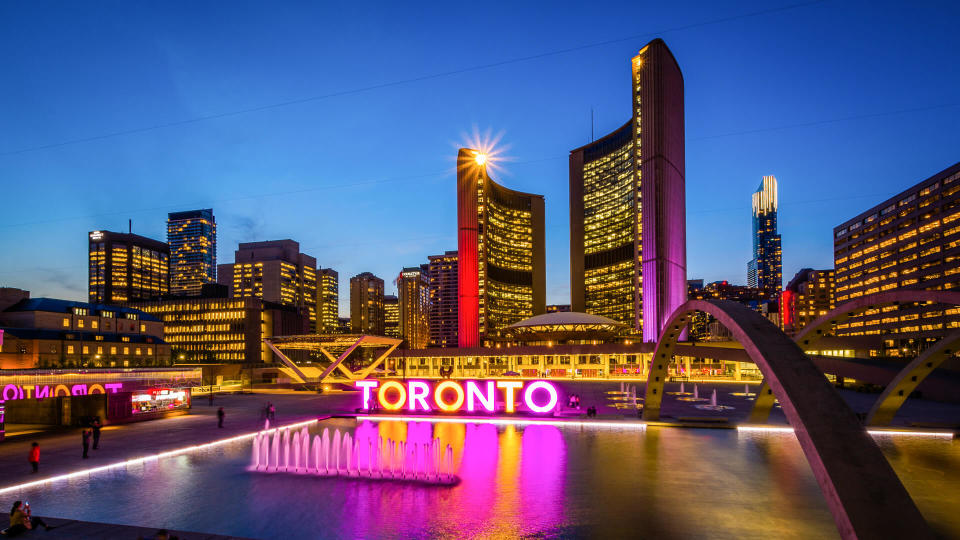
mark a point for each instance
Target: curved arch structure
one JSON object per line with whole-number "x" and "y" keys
{"x": 864, "y": 494}
{"x": 822, "y": 325}
{"x": 893, "y": 396}
{"x": 904, "y": 383}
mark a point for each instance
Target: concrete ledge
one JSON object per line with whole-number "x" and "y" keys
{"x": 70, "y": 529}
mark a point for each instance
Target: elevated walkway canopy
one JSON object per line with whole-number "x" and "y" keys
{"x": 329, "y": 344}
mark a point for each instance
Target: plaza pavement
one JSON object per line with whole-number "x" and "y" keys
{"x": 61, "y": 451}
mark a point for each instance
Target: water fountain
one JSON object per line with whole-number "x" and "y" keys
{"x": 746, "y": 393}
{"x": 278, "y": 450}
{"x": 714, "y": 406}
{"x": 683, "y": 391}
{"x": 696, "y": 395}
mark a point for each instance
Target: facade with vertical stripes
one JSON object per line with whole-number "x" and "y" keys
{"x": 627, "y": 205}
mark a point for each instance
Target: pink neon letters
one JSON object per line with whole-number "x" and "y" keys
{"x": 12, "y": 391}
{"x": 537, "y": 396}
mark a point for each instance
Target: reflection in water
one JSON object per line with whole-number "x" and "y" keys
{"x": 536, "y": 481}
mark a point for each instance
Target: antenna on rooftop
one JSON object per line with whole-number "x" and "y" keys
{"x": 130, "y": 226}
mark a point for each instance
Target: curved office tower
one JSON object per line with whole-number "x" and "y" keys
{"x": 628, "y": 258}
{"x": 501, "y": 261}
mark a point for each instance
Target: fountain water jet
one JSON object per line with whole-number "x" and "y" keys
{"x": 277, "y": 450}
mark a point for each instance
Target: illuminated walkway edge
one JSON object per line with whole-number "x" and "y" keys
{"x": 502, "y": 421}
{"x": 146, "y": 459}
{"x": 874, "y": 432}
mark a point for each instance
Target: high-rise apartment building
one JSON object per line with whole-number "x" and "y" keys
{"x": 443, "y": 270}
{"x": 628, "y": 258}
{"x": 808, "y": 296}
{"x": 192, "y": 237}
{"x": 328, "y": 301}
{"x": 126, "y": 267}
{"x": 501, "y": 267}
{"x": 765, "y": 271}
{"x": 391, "y": 316}
{"x": 275, "y": 271}
{"x": 366, "y": 304}
{"x": 413, "y": 290}
{"x": 909, "y": 241}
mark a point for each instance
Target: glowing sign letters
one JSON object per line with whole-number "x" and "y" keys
{"x": 28, "y": 391}
{"x": 451, "y": 396}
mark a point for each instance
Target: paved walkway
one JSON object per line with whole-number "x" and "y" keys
{"x": 61, "y": 451}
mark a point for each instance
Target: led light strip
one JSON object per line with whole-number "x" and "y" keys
{"x": 503, "y": 421}
{"x": 891, "y": 432}
{"x": 144, "y": 459}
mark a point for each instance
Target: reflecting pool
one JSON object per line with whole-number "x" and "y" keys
{"x": 536, "y": 480}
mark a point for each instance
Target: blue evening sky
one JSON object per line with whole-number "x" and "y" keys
{"x": 846, "y": 103}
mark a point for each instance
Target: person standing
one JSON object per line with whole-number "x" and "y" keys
{"x": 34, "y": 457}
{"x": 220, "y": 415}
{"x": 86, "y": 442}
{"x": 96, "y": 432}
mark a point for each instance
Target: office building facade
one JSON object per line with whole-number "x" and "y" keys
{"x": 328, "y": 301}
{"x": 501, "y": 257}
{"x": 52, "y": 333}
{"x": 704, "y": 327}
{"x": 443, "y": 277}
{"x": 809, "y": 295}
{"x": 126, "y": 267}
{"x": 192, "y": 237}
{"x": 627, "y": 205}
{"x": 222, "y": 330}
{"x": 413, "y": 291}
{"x": 391, "y": 316}
{"x": 275, "y": 271}
{"x": 366, "y": 304}
{"x": 765, "y": 270}
{"x": 909, "y": 241}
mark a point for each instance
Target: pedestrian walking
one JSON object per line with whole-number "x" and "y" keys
{"x": 86, "y": 442}
{"x": 96, "y": 432}
{"x": 220, "y": 415}
{"x": 34, "y": 457}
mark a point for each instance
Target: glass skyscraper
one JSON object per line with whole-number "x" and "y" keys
{"x": 500, "y": 234}
{"x": 192, "y": 237}
{"x": 765, "y": 271}
{"x": 628, "y": 257}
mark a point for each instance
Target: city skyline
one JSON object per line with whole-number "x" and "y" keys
{"x": 816, "y": 195}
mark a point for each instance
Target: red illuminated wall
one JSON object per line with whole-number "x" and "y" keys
{"x": 468, "y": 319}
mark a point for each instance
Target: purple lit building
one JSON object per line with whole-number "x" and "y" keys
{"x": 628, "y": 258}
